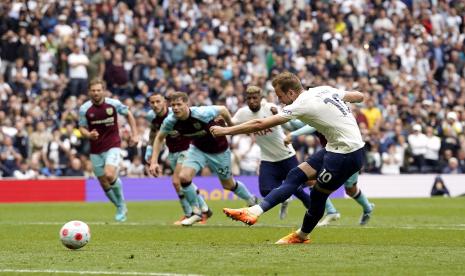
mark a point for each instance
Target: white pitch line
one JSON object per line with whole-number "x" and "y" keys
{"x": 91, "y": 272}
{"x": 460, "y": 227}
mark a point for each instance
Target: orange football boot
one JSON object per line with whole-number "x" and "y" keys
{"x": 241, "y": 214}
{"x": 292, "y": 238}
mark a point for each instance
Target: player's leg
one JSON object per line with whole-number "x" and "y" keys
{"x": 294, "y": 180}
{"x": 331, "y": 214}
{"x": 335, "y": 170}
{"x": 206, "y": 212}
{"x": 112, "y": 160}
{"x": 195, "y": 161}
{"x": 291, "y": 184}
{"x": 186, "y": 207}
{"x": 98, "y": 163}
{"x": 220, "y": 163}
{"x": 105, "y": 176}
{"x": 268, "y": 178}
{"x": 354, "y": 192}
{"x": 271, "y": 177}
{"x": 287, "y": 165}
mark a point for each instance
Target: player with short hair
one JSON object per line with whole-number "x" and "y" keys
{"x": 324, "y": 108}
{"x": 177, "y": 147}
{"x": 98, "y": 121}
{"x": 277, "y": 158}
{"x": 350, "y": 186}
{"x": 205, "y": 150}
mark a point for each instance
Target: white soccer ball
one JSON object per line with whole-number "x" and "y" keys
{"x": 75, "y": 234}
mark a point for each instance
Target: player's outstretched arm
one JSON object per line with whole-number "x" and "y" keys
{"x": 249, "y": 126}
{"x": 353, "y": 97}
{"x": 132, "y": 123}
{"x": 157, "y": 144}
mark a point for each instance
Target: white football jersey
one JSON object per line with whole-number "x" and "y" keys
{"x": 271, "y": 140}
{"x": 322, "y": 108}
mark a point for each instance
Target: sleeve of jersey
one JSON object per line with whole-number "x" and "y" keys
{"x": 206, "y": 113}
{"x": 340, "y": 93}
{"x": 120, "y": 107}
{"x": 150, "y": 116}
{"x": 168, "y": 124}
{"x": 82, "y": 117}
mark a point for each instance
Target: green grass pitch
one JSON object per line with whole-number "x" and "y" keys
{"x": 404, "y": 237}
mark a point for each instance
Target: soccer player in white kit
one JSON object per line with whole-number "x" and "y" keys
{"x": 277, "y": 157}
{"x": 325, "y": 109}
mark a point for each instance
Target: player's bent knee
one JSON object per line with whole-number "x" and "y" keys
{"x": 296, "y": 177}
{"x": 351, "y": 191}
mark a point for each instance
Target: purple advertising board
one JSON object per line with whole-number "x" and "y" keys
{"x": 141, "y": 189}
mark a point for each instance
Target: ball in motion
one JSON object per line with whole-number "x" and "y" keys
{"x": 75, "y": 234}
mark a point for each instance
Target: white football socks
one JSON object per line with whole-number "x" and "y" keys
{"x": 256, "y": 210}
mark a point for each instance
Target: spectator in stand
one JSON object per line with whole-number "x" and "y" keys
{"x": 9, "y": 157}
{"x": 136, "y": 168}
{"x": 418, "y": 142}
{"x": 372, "y": 114}
{"x": 248, "y": 154}
{"x": 391, "y": 161}
{"x": 78, "y": 76}
{"x": 24, "y": 172}
{"x": 57, "y": 151}
{"x": 433, "y": 145}
{"x": 452, "y": 167}
{"x": 75, "y": 168}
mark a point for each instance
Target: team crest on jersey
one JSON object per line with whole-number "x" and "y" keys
{"x": 109, "y": 111}
{"x": 197, "y": 125}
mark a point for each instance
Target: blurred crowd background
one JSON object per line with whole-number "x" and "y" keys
{"x": 406, "y": 56}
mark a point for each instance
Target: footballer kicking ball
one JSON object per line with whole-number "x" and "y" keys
{"x": 75, "y": 234}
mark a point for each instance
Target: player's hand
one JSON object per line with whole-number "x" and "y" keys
{"x": 217, "y": 131}
{"x": 274, "y": 110}
{"x": 93, "y": 134}
{"x": 287, "y": 139}
{"x": 133, "y": 140}
{"x": 155, "y": 169}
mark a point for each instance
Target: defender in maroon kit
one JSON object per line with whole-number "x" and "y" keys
{"x": 98, "y": 121}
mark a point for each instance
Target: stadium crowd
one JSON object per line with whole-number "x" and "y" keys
{"x": 408, "y": 57}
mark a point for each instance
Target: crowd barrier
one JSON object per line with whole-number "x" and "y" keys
{"x": 142, "y": 189}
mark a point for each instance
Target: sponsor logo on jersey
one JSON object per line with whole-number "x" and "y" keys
{"x": 108, "y": 121}
{"x": 288, "y": 112}
{"x": 263, "y": 132}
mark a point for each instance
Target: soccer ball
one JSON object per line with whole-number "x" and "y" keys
{"x": 75, "y": 234}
